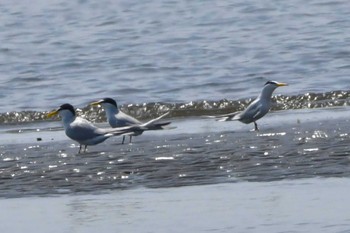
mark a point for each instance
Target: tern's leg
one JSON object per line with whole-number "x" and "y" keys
{"x": 79, "y": 149}
{"x": 123, "y": 139}
{"x": 130, "y": 139}
{"x": 256, "y": 126}
{"x": 85, "y": 148}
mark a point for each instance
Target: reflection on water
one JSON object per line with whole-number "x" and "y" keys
{"x": 280, "y": 206}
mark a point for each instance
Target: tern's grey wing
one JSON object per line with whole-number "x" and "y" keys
{"x": 82, "y": 130}
{"x": 247, "y": 116}
{"x": 123, "y": 119}
{"x": 254, "y": 112}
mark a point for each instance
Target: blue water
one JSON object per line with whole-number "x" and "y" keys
{"x": 193, "y": 58}
{"x": 60, "y": 51}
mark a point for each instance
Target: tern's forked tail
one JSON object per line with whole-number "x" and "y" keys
{"x": 152, "y": 125}
{"x": 225, "y": 117}
{"x": 125, "y": 130}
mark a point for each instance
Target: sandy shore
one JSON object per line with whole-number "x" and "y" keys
{"x": 133, "y": 188}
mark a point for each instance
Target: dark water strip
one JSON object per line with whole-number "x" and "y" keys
{"x": 145, "y": 111}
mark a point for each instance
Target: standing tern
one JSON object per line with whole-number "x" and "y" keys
{"x": 83, "y": 131}
{"x": 257, "y": 109}
{"x": 117, "y": 118}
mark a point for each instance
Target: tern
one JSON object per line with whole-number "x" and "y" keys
{"x": 83, "y": 131}
{"x": 257, "y": 109}
{"x": 117, "y": 118}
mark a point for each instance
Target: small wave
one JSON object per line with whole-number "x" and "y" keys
{"x": 194, "y": 108}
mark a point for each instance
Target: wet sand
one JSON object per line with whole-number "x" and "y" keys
{"x": 203, "y": 176}
{"x": 290, "y": 145}
{"x": 305, "y": 205}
